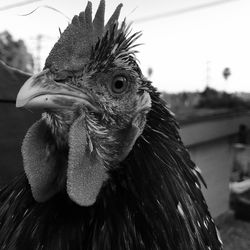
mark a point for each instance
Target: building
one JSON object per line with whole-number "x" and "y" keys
{"x": 211, "y": 143}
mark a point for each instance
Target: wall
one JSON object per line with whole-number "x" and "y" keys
{"x": 210, "y": 143}
{"x": 215, "y": 161}
{"x": 14, "y": 124}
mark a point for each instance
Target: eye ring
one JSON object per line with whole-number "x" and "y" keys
{"x": 119, "y": 84}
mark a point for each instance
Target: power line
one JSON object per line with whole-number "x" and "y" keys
{"x": 11, "y": 6}
{"x": 48, "y": 7}
{"x": 182, "y": 11}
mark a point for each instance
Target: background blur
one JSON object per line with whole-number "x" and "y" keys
{"x": 186, "y": 43}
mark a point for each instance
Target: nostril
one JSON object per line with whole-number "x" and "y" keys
{"x": 62, "y": 76}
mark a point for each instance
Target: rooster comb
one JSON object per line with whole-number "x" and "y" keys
{"x": 73, "y": 49}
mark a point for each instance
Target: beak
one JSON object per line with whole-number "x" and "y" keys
{"x": 42, "y": 91}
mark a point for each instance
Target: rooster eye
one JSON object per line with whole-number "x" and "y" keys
{"x": 119, "y": 84}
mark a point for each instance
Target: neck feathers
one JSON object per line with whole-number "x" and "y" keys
{"x": 153, "y": 201}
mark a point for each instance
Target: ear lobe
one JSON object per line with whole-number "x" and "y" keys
{"x": 131, "y": 135}
{"x": 86, "y": 173}
{"x": 39, "y": 162}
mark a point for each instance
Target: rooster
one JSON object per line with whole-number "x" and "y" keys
{"x": 104, "y": 167}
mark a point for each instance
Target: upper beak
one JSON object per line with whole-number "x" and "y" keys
{"x": 41, "y": 91}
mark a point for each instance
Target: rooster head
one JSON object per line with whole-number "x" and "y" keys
{"x": 96, "y": 102}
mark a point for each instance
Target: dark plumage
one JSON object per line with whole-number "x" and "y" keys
{"x": 138, "y": 188}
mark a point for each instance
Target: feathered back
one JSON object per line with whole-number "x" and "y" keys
{"x": 72, "y": 50}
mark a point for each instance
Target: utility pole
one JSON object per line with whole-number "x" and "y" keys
{"x": 208, "y": 73}
{"x": 38, "y": 47}
{"x": 39, "y": 39}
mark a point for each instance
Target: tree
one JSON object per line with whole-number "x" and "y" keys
{"x": 14, "y": 53}
{"x": 213, "y": 99}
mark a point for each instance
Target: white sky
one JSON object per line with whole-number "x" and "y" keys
{"x": 186, "y": 51}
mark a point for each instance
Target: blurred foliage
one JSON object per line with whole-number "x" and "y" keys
{"x": 14, "y": 53}
{"x": 211, "y": 98}
{"x": 207, "y": 99}
{"x": 181, "y": 101}
{"x": 191, "y": 106}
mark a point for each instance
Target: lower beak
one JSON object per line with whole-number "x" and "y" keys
{"x": 41, "y": 91}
